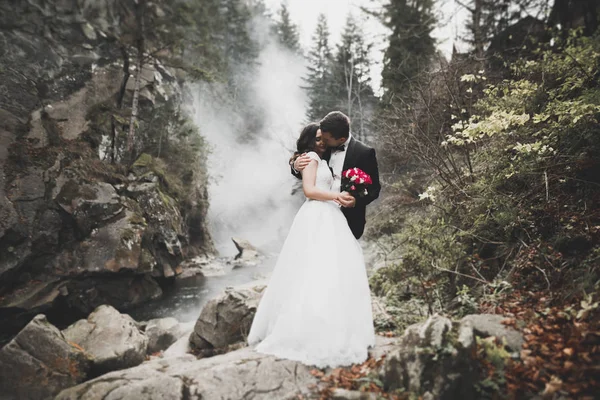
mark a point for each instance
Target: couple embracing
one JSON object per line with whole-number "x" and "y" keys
{"x": 316, "y": 308}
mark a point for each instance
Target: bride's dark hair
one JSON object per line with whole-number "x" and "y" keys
{"x": 308, "y": 139}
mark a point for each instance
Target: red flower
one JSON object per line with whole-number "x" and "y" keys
{"x": 355, "y": 180}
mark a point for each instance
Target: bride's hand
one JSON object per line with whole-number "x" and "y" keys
{"x": 342, "y": 196}
{"x": 338, "y": 199}
{"x": 301, "y": 162}
{"x": 345, "y": 199}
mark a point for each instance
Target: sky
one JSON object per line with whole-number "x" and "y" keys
{"x": 304, "y": 13}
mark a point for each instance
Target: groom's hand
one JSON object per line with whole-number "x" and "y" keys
{"x": 345, "y": 199}
{"x": 301, "y": 162}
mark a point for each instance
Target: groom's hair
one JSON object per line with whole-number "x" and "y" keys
{"x": 336, "y": 123}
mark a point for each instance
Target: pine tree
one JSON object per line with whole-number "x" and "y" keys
{"x": 351, "y": 81}
{"x": 411, "y": 47}
{"x": 238, "y": 46}
{"x": 490, "y": 17}
{"x": 487, "y": 18}
{"x": 199, "y": 28}
{"x": 319, "y": 79}
{"x": 286, "y": 31}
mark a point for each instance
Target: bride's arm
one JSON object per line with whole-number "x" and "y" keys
{"x": 309, "y": 177}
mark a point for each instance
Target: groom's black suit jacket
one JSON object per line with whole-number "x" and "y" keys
{"x": 361, "y": 156}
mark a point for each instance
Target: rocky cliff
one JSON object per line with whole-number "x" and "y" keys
{"x": 78, "y": 226}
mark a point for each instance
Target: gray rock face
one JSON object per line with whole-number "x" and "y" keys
{"x": 90, "y": 204}
{"x": 486, "y": 325}
{"x": 38, "y": 363}
{"x": 114, "y": 247}
{"x": 433, "y": 359}
{"x": 111, "y": 338}
{"x": 226, "y": 319}
{"x": 162, "y": 333}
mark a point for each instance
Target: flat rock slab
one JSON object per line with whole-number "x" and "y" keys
{"x": 242, "y": 374}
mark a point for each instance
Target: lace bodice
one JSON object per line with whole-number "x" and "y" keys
{"x": 324, "y": 177}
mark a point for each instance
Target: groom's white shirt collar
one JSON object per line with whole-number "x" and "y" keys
{"x": 347, "y": 141}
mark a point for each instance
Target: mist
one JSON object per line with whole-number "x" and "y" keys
{"x": 251, "y": 186}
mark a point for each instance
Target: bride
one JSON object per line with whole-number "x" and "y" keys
{"x": 316, "y": 308}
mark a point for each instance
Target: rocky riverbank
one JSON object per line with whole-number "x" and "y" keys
{"x": 110, "y": 354}
{"x": 78, "y": 227}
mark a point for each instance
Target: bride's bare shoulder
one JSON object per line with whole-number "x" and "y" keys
{"x": 313, "y": 156}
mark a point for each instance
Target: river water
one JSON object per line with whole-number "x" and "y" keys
{"x": 185, "y": 298}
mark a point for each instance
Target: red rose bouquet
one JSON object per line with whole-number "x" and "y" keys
{"x": 355, "y": 182}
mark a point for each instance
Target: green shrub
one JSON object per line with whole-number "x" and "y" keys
{"x": 524, "y": 200}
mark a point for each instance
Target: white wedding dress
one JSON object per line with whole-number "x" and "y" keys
{"x": 316, "y": 308}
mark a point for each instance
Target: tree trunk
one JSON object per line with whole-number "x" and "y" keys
{"x": 139, "y": 14}
{"x": 349, "y": 75}
{"x": 361, "y": 134}
{"x": 478, "y": 39}
{"x": 113, "y": 141}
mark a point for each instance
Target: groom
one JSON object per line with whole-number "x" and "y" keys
{"x": 346, "y": 153}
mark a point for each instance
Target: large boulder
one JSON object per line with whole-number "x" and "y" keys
{"x": 433, "y": 359}
{"x": 486, "y": 325}
{"x": 111, "y": 338}
{"x": 38, "y": 363}
{"x": 226, "y": 319}
{"x": 162, "y": 333}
